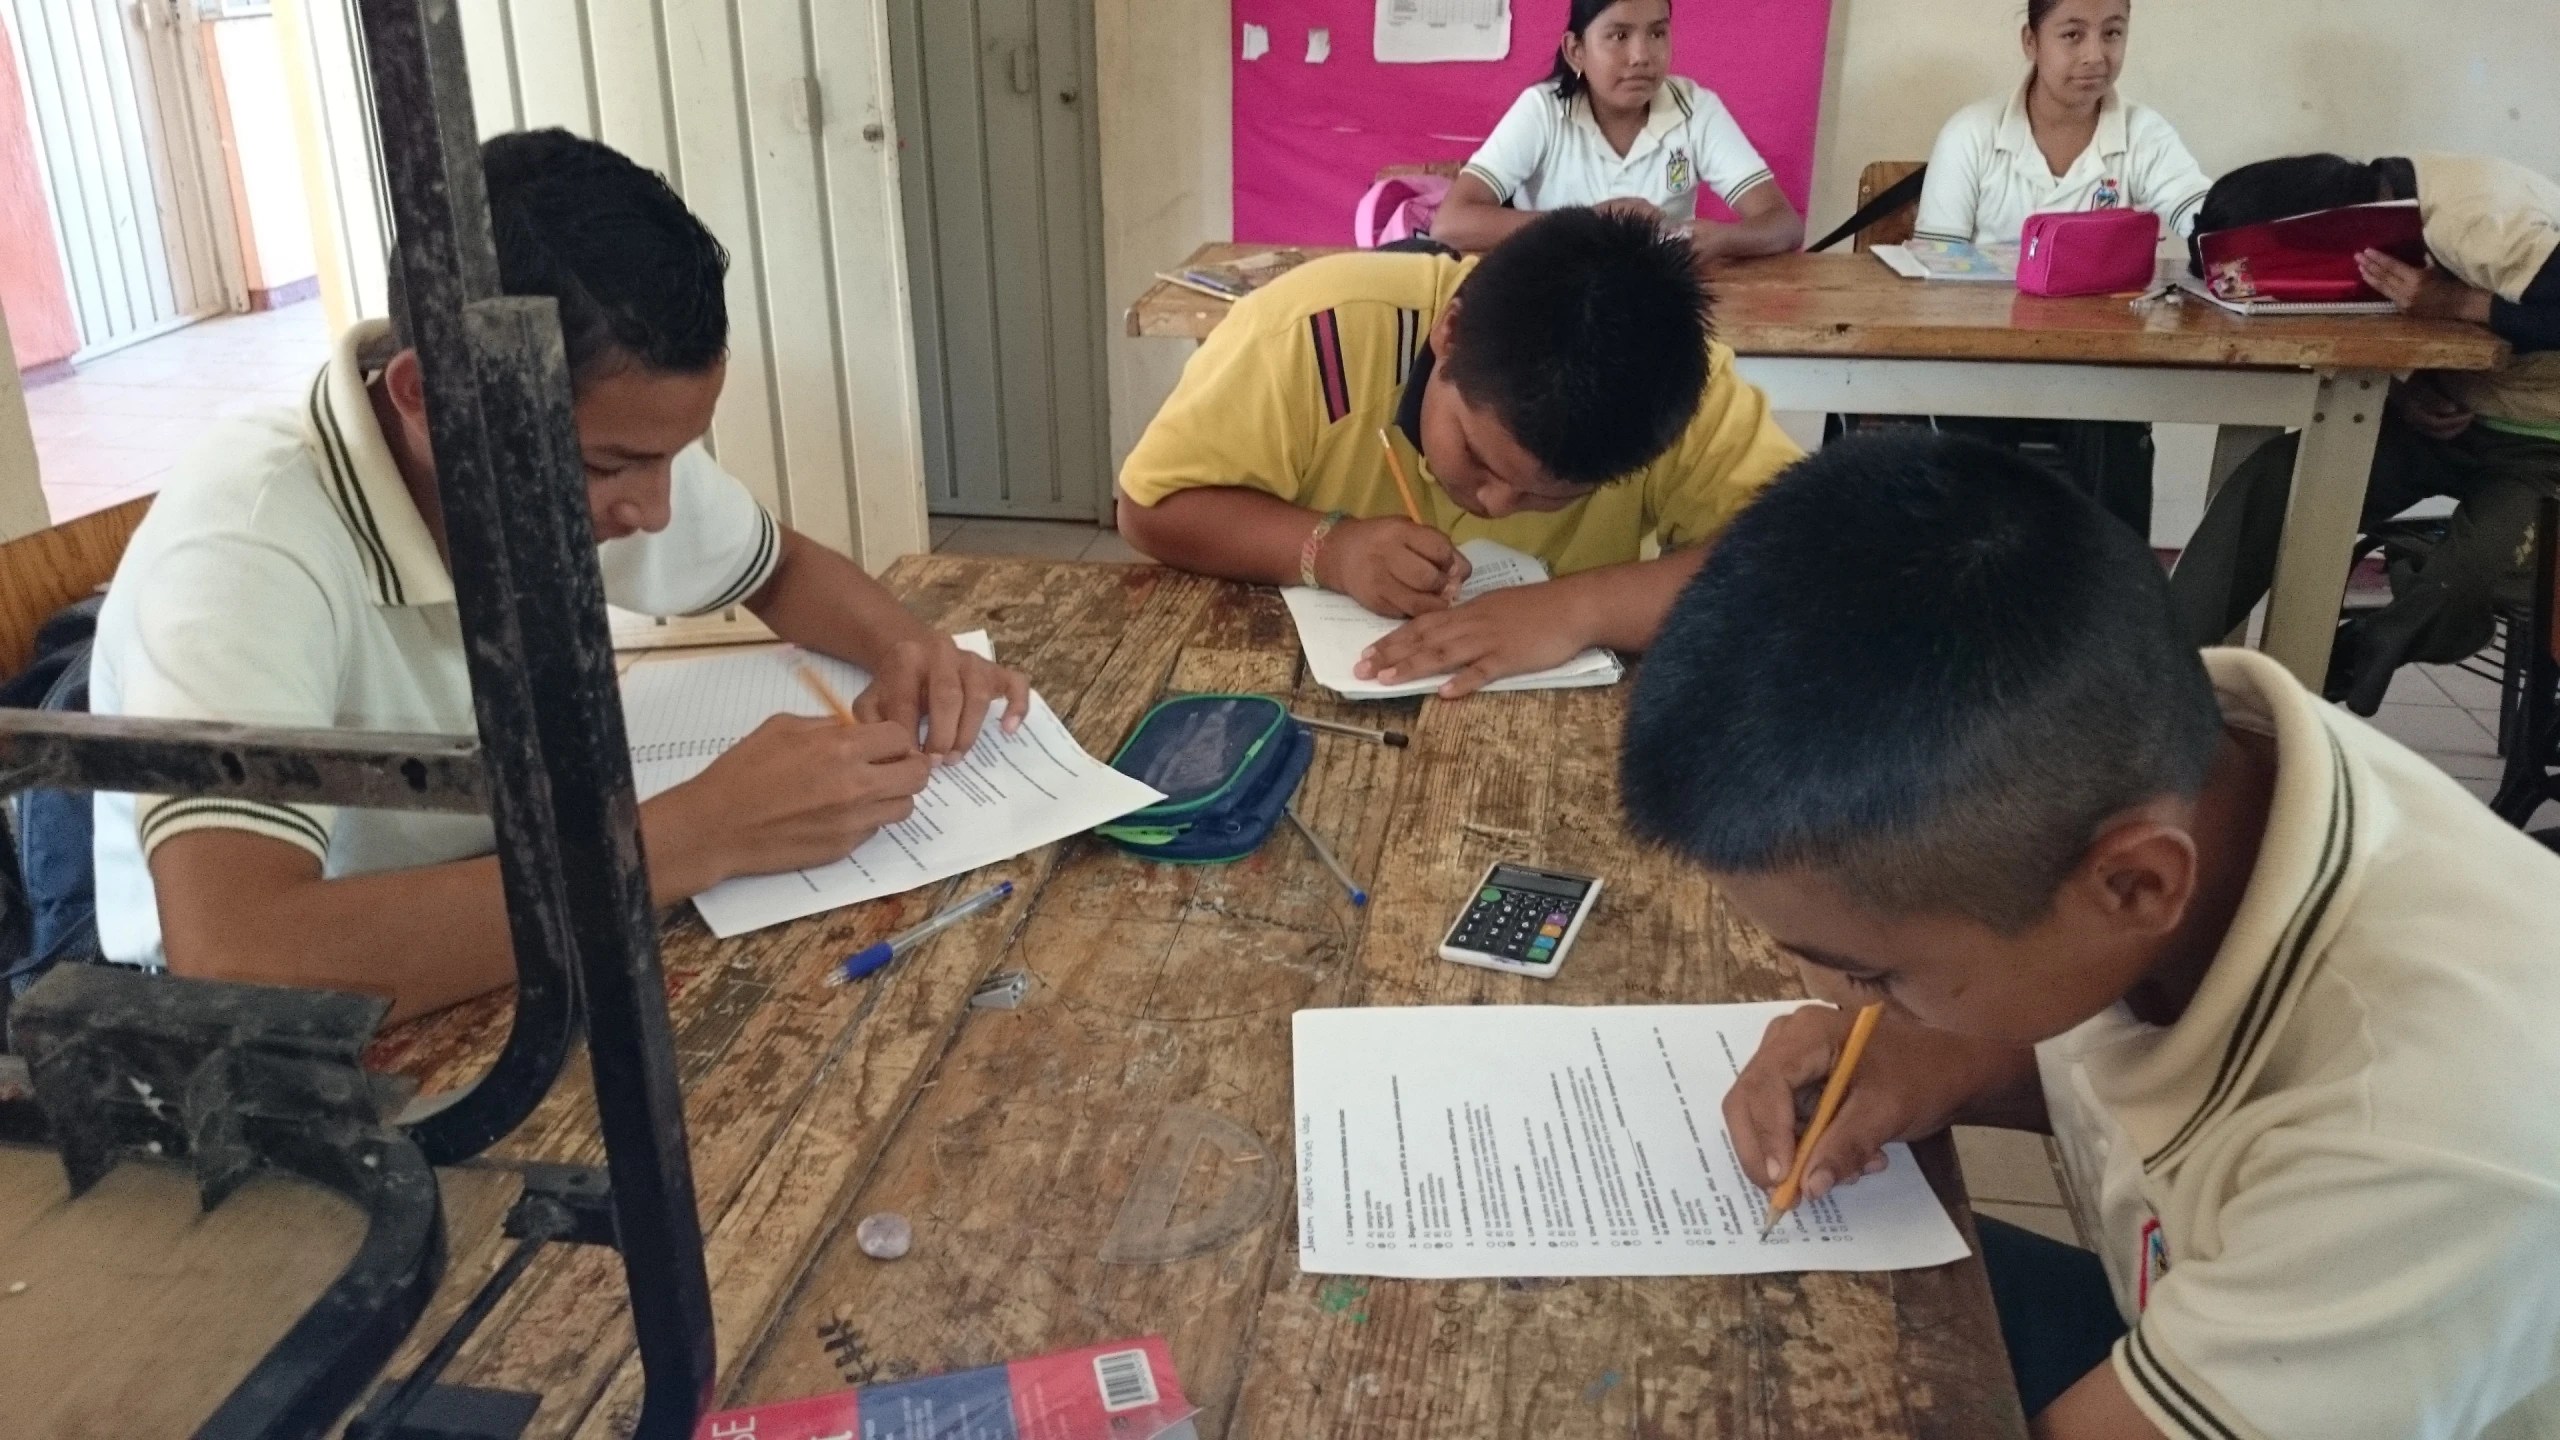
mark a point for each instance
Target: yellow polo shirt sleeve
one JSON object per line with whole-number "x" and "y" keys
{"x": 1245, "y": 414}
{"x": 237, "y": 629}
{"x": 1730, "y": 450}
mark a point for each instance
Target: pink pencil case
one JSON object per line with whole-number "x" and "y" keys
{"x": 2090, "y": 252}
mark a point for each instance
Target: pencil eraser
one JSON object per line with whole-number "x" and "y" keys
{"x": 1398, "y": 739}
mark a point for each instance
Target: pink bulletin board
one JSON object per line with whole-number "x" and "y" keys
{"x": 1310, "y": 138}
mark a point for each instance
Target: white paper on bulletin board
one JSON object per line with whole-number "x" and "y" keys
{"x": 1424, "y": 32}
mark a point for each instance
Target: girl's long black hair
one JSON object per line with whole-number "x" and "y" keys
{"x": 1568, "y": 83}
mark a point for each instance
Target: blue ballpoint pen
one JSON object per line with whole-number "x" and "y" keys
{"x": 878, "y": 956}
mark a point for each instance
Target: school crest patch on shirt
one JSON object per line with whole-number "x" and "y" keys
{"x": 2110, "y": 195}
{"x": 1681, "y": 174}
{"x": 2152, "y": 1263}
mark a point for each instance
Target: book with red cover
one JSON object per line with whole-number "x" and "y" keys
{"x": 2311, "y": 258}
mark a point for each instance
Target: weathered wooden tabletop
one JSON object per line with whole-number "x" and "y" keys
{"x": 1113, "y": 1158}
{"x": 1852, "y": 306}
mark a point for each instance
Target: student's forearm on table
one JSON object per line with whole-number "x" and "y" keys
{"x": 1622, "y": 607}
{"x": 820, "y": 600}
{"x": 1234, "y": 534}
{"x": 1476, "y": 225}
{"x": 244, "y": 908}
{"x": 1779, "y": 232}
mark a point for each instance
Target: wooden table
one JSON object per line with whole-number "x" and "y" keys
{"x": 1138, "y": 1103}
{"x": 1842, "y": 334}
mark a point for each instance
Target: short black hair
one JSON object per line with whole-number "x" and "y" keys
{"x": 1586, "y": 334}
{"x": 2277, "y": 189}
{"x": 1924, "y": 667}
{"x": 638, "y": 278}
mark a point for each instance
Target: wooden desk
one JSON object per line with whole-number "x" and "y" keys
{"x": 1841, "y": 333}
{"x": 1152, "y": 1058}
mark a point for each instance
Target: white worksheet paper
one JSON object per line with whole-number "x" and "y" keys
{"x": 1422, "y": 32}
{"x": 1011, "y": 793}
{"x": 1539, "y": 1140}
{"x": 1333, "y": 629}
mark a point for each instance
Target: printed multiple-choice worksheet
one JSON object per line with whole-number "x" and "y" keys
{"x": 1538, "y": 1140}
{"x": 1009, "y": 794}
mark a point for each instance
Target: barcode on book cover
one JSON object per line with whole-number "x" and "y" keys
{"x": 1127, "y": 1380}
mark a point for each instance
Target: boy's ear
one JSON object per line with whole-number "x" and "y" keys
{"x": 1444, "y": 331}
{"x": 2138, "y": 878}
{"x": 407, "y": 387}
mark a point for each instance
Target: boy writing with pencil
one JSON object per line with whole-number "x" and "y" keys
{"x": 1560, "y": 395}
{"x": 2281, "y": 989}
{"x": 293, "y": 573}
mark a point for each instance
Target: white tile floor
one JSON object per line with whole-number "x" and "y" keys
{"x": 110, "y": 431}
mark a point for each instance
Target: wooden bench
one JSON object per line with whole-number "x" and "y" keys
{"x": 41, "y": 573}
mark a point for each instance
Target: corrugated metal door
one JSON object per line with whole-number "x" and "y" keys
{"x": 1004, "y": 226}
{"x": 122, "y": 118}
{"x": 771, "y": 118}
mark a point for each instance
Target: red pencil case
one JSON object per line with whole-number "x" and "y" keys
{"x": 2091, "y": 252}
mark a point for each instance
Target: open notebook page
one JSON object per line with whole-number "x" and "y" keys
{"x": 1334, "y": 629}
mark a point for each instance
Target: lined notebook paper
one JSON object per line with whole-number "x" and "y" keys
{"x": 1333, "y": 630}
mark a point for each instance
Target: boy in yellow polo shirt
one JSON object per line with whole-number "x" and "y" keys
{"x": 1562, "y": 397}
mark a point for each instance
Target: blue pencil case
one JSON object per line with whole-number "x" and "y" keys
{"x": 1227, "y": 764}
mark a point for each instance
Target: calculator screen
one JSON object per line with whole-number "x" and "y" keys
{"x": 1511, "y": 877}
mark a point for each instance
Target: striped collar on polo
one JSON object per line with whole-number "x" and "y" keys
{"x": 2175, "y": 1084}
{"x": 363, "y": 482}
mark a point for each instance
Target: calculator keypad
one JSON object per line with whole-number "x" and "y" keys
{"x": 1514, "y": 925}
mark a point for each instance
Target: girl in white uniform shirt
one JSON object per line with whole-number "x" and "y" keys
{"x": 2064, "y": 141}
{"x": 1612, "y": 127}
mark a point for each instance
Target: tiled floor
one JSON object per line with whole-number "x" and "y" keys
{"x": 111, "y": 430}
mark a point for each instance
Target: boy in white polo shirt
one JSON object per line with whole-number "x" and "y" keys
{"x": 2282, "y": 990}
{"x": 293, "y": 574}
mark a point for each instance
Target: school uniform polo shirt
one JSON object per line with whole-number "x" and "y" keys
{"x": 285, "y": 578}
{"x": 1290, "y": 391}
{"x": 2328, "y": 1196}
{"x": 1549, "y": 152}
{"x": 1987, "y": 175}
{"x": 2496, "y": 226}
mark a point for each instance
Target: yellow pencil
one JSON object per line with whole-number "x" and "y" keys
{"x": 818, "y": 686}
{"x": 1783, "y": 1199}
{"x": 1404, "y": 487}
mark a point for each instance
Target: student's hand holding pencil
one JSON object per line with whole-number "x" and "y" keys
{"x": 1392, "y": 566}
{"x": 795, "y": 792}
{"x": 1910, "y": 1082}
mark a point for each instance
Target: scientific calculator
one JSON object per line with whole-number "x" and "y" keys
{"x": 1521, "y": 920}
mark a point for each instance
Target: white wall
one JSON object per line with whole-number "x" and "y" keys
{"x": 1167, "y": 176}
{"x": 268, "y": 199}
{"x": 2242, "y": 80}
{"x": 772, "y": 119}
